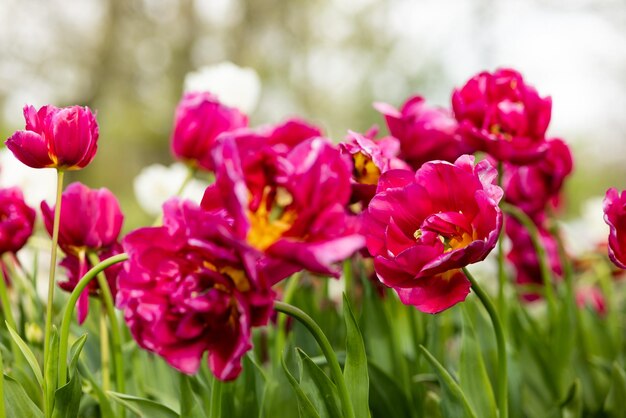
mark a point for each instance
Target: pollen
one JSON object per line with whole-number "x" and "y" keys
{"x": 365, "y": 171}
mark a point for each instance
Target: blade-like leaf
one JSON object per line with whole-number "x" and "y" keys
{"x": 144, "y": 408}
{"x": 17, "y": 402}
{"x": 106, "y": 411}
{"x": 615, "y": 400}
{"x": 317, "y": 385}
{"x": 386, "y": 396}
{"x": 454, "y": 401}
{"x": 52, "y": 368}
{"x": 474, "y": 380}
{"x": 190, "y": 406}
{"x": 306, "y": 408}
{"x": 67, "y": 397}
{"x": 30, "y": 357}
{"x": 355, "y": 370}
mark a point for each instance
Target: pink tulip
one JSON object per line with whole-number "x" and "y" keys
{"x": 423, "y": 227}
{"x": 65, "y": 138}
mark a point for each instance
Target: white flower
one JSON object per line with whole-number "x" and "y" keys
{"x": 37, "y": 184}
{"x": 157, "y": 183}
{"x": 584, "y": 234}
{"x": 234, "y": 86}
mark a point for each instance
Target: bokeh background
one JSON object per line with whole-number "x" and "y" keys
{"x": 325, "y": 60}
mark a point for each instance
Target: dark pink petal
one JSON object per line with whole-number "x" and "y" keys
{"x": 434, "y": 294}
{"x": 30, "y": 148}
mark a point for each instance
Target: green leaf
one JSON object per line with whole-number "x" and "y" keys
{"x": 17, "y": 402}
{"x": 306, "y": 408}
{"x": 52, "y": 368}
{"x": 106, "y": 411}
{"x": 454, "y": 402}
{"x": 144, "y": 408}
{"x": 474, "y": 380}
{"x": 614, "y": 403}
{"x": 572, "y": 405}
{"x": 355, "y": 369}
{"x": 190, "y": 406}
{"x": 30, "y": 357}
{"x": 318, "y": 387}
{"x": 386, "y": 396}
{"x": 67, "y": 397}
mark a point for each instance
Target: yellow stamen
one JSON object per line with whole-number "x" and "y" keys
{"x": 365, "y": 171}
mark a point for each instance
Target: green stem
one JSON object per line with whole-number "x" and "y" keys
{"x": 544, "y": 267}
{"x": 53, "y": 264}
{"x": 327, "y": 350}
{"x": 501, "y": 271}
{"x": 503, "y": 406}
{"x": 216, "y": 399}
{"x": 69, "y": 310}
{"x": 348, "y": 278}
{"x": 3, "y": 413}
{"x": 105, "y": 355}
{"x": 116, "y": 335}
{"x": 281, "y": 323}
{"x": 8, "y": 315}
{"x": 191, "y": 172}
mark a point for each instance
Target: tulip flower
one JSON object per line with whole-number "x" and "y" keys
{"x": 537, "y": 186}
{"x": 289, "y": 203}
{"x": 91, "y": 221}
{"x": 422, "y": 228}
{"x": 65, "y": 138}
{"x": 425, "y": 133}
{"x": 16, "y": 220}
{"x": 189, "y": 287}
{"x": 615, "y": 216}
{"x": 500, "y": 114}
{"x": 523, "y": 256}
{"x": 200, "y": 119}
{"x": 370, "y": 159}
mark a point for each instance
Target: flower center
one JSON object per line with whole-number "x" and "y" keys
{"x": 365, "y": 171}
{"x": 270, "y": 221}
{"x": 238, "y": 277}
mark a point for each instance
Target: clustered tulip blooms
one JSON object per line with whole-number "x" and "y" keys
{"x": 287, "y": 199}
{"x": 91, "y": 221}
{"x": 192, "y": 286}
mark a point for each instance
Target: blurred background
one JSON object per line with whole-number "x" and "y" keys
{"x": 325, "y": 60}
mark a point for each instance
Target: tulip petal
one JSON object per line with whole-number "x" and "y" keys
{"x": 30, "y": 148}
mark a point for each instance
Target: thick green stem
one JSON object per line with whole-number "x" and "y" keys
{"x": 105, "y": 354}
{"x": 327, "y": 350}
{"x": 53, "y": 264}
{"x": 502, "y": 393}
{"x": 544, "y": 267}
{"x": 281, "y": 323}
{"x": 69, "y": 310}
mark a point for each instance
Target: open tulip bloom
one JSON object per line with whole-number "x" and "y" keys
{"x": 461, "y": 296}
